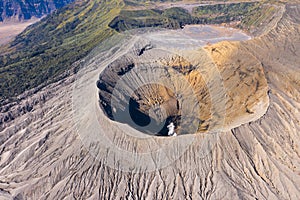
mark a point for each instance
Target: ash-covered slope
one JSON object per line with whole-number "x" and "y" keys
{"x": 25, "y": 10}
{"x": 43, "y": 157}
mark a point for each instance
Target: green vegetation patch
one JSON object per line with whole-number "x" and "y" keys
{"x": 169, "y": 18}
{"x": 233, "y": 9}
{"x": 257, "y": 16}
{"x": 177, "y": 17}
{"x": 223, "y": 13}
{"x": 47, "y": 49}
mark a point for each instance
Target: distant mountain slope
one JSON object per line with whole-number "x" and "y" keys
{"x": 18, "y": 10}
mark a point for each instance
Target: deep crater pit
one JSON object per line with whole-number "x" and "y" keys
{"x": 180, "y": 78}
{"x": 151, "y": 91}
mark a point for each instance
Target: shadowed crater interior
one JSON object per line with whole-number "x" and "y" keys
{"x": 154, "y": 97}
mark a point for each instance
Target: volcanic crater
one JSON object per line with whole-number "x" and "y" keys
{"x": 200, "y": 83}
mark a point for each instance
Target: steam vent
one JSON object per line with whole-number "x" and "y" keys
{"x": 181, "y": 77}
